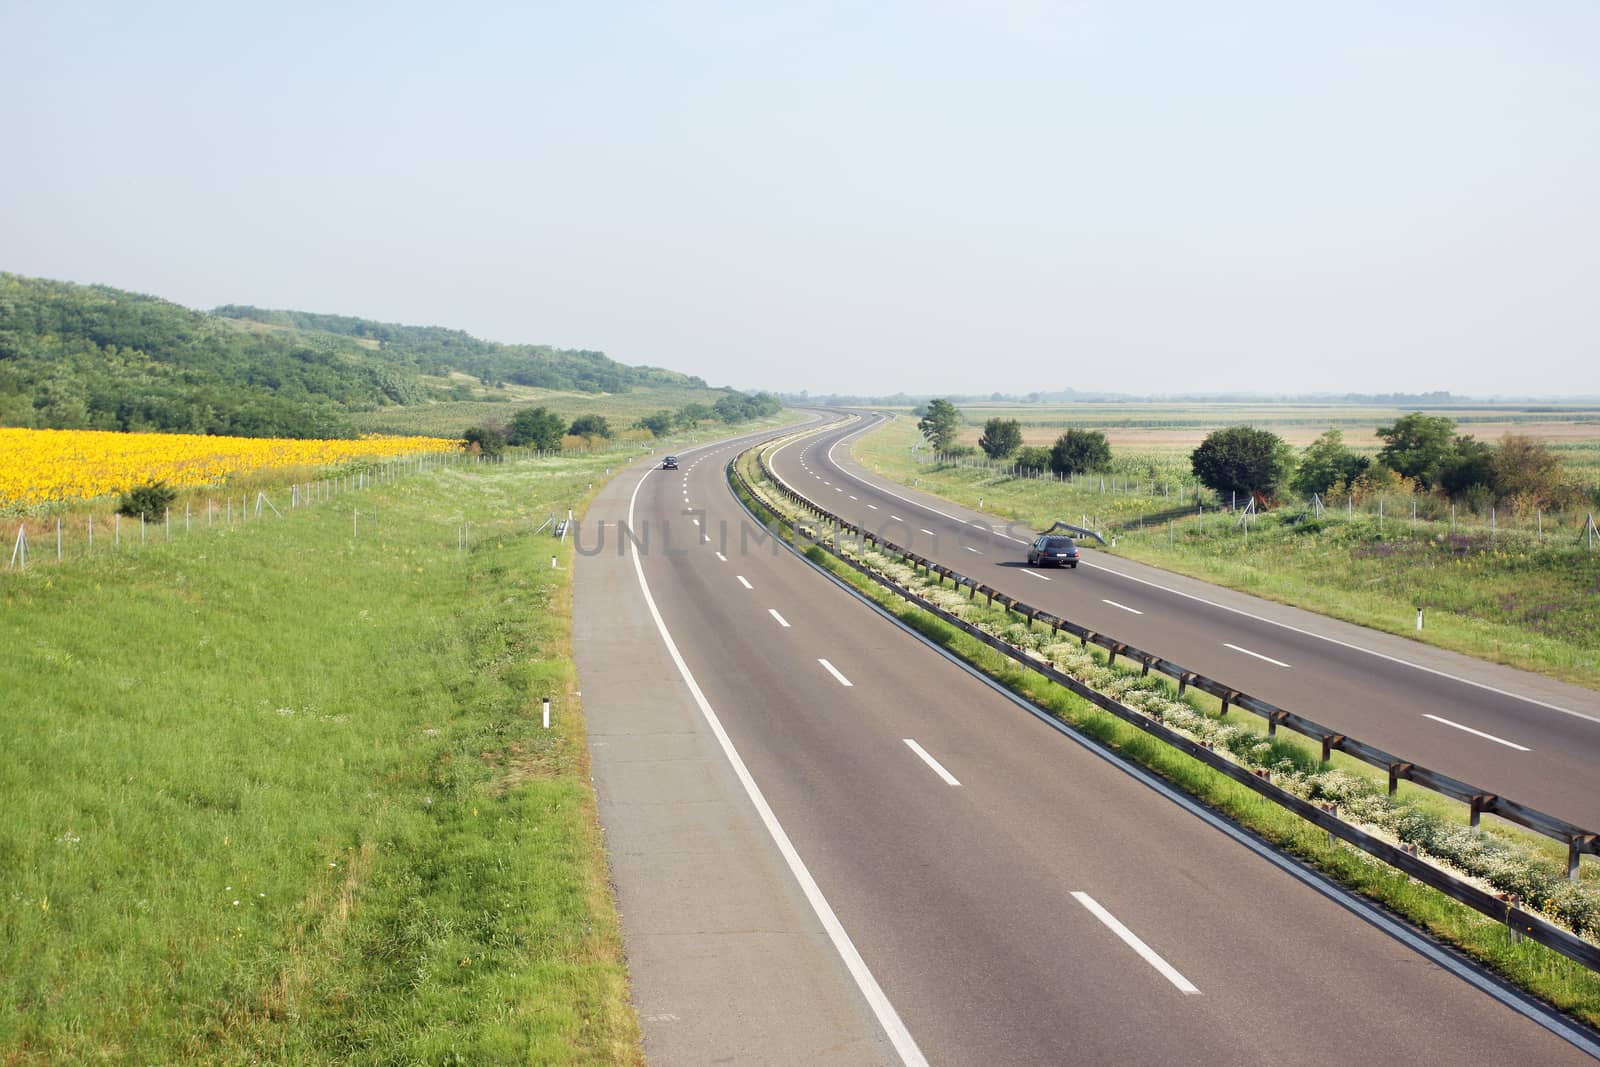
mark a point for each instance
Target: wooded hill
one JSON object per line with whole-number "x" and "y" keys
{"x": 94, "y": 357}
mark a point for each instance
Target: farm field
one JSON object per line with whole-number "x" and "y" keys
{"x": 1165, "y": 434}
{"x": 50, "y": 467}
{"x": 448, "y": 418}
{"x": 284, "y": 794}
{"x": 1524, "y": 591}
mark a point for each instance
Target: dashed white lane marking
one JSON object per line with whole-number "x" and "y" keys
{"x": 949, "y": 779}
{"x": 1124, "y": 607}
{"x": 974, "y": 551}
{"x": 1129, "y": 938}
{"x": 836, "y": 489}
{"x": 696, "y": 521}
{"x": 929, "y": 532}
{"x": 831, "y": 669}
{"x": 722, "y": 557}
{"x": 1257, "y": 655}
{"x": 1031, "y": 574}
{"x": 826, "y": 482}
{"x": 874, "y": 507}
{"x": 894, "y": 1027}
{"x": 896, "y": 518}
{"x": 781, "y": 620}
{"x": 1479, "y": 733}
{"x": 744, "y": 581}
{"x": 852, "y": 496}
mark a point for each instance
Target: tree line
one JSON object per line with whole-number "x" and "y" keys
{"x": 538, "y": 427}
{"x": 1421, "y": 454}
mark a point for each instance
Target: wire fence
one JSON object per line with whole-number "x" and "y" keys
{"x": 85, "y": 532}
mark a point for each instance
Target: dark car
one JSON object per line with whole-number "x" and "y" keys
{"x": 1052, "y": 550}
{"x": 670, "y": 463}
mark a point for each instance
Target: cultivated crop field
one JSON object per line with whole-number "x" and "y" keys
{"x": 49, "y": 467}
{"x": 280, "y": 792}
{"x": 1518, "y": 589}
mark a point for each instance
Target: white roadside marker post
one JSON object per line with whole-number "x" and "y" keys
{"x": 547, "y": 713}
{"x": 1419, "y": 618}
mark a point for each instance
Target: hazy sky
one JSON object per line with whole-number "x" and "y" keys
{"x": 969, "y": 196}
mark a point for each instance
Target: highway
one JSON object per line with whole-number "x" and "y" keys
{"x": 1463, "y": 717}
{"x": 995, "y": 892}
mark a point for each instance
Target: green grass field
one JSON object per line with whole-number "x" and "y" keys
{"x": 1496, "y": 593}
{"x": 281, "y": 795}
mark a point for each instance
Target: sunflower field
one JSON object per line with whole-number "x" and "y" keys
{"x": 42, "y": 467}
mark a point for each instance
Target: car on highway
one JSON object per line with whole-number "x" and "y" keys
{"x": 670, "y": 463}
{"x": 1053, "y": 550}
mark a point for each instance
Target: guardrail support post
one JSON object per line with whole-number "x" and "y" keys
{"x": 1272, "y": 720}
{"x": 1328, "y": 741}
{"x": 1479, "y": 802}
{"x": 1575, "y": 845}
{"x": 1398, "y": 771}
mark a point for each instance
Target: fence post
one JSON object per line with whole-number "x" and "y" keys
{"x": 58, "y": 539}
{"x": 20, "y": 550}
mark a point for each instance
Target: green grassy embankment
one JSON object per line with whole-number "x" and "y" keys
{"x": 281, "y": 794}
{"x": 1499, "y": 596}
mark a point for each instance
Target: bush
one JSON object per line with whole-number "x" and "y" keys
{"x": 1032, "y": 458}
{"x": 151, "y": 499}
{"x": 1078, "y": 451}
{"x": 485, "y": 440}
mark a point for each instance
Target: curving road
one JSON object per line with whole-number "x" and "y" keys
{"x": 1519, "y": 735}
{"x": 832, "y": 844}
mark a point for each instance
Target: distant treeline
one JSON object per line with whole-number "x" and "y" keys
{"x": 93, "y": 357}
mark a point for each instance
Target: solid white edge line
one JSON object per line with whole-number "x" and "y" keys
{"x": 1436, "y": 672}
{"x": 1480, "y": 733}
{"x": 744, "y": 581}
{"x": 783, "y": 622}
{"x": 938, "y": 768}
{"x": 1257, "y": 655}
{"x": 1124, "y": 607}
{"x": 831, "y": 669}
{"x": 1131, "y": 939}
{"x": 877, "y": 1000}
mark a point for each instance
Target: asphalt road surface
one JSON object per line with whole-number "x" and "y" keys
{"x": 1522, "y": 736}
{"x": 987, "y": 890}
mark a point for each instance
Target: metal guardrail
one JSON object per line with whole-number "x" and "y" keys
{"x": 1500, "y": 907}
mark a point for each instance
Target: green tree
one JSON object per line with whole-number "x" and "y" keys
{"x": 692, "y": 415}
{"x": 485, "y": 440}
{"x": 940, "y": 425}
{"x": 1326, "y": 462}
{"x": 536, "y": 428}
{"x": 1243, "y": 459}
{"x": 659, "y": 424}
{"x": 1033, "y": 458}
{"x": 1078, "y": 450}
{"x": 589, "y": 427}
{"x": 1470, "y": 463}
{"x": 1418, "y": 446}
{"x": 1000, "y": 437}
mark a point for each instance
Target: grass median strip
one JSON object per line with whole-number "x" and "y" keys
{"x": 285, "y": 794}
{"x": 1498, "y": 858}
